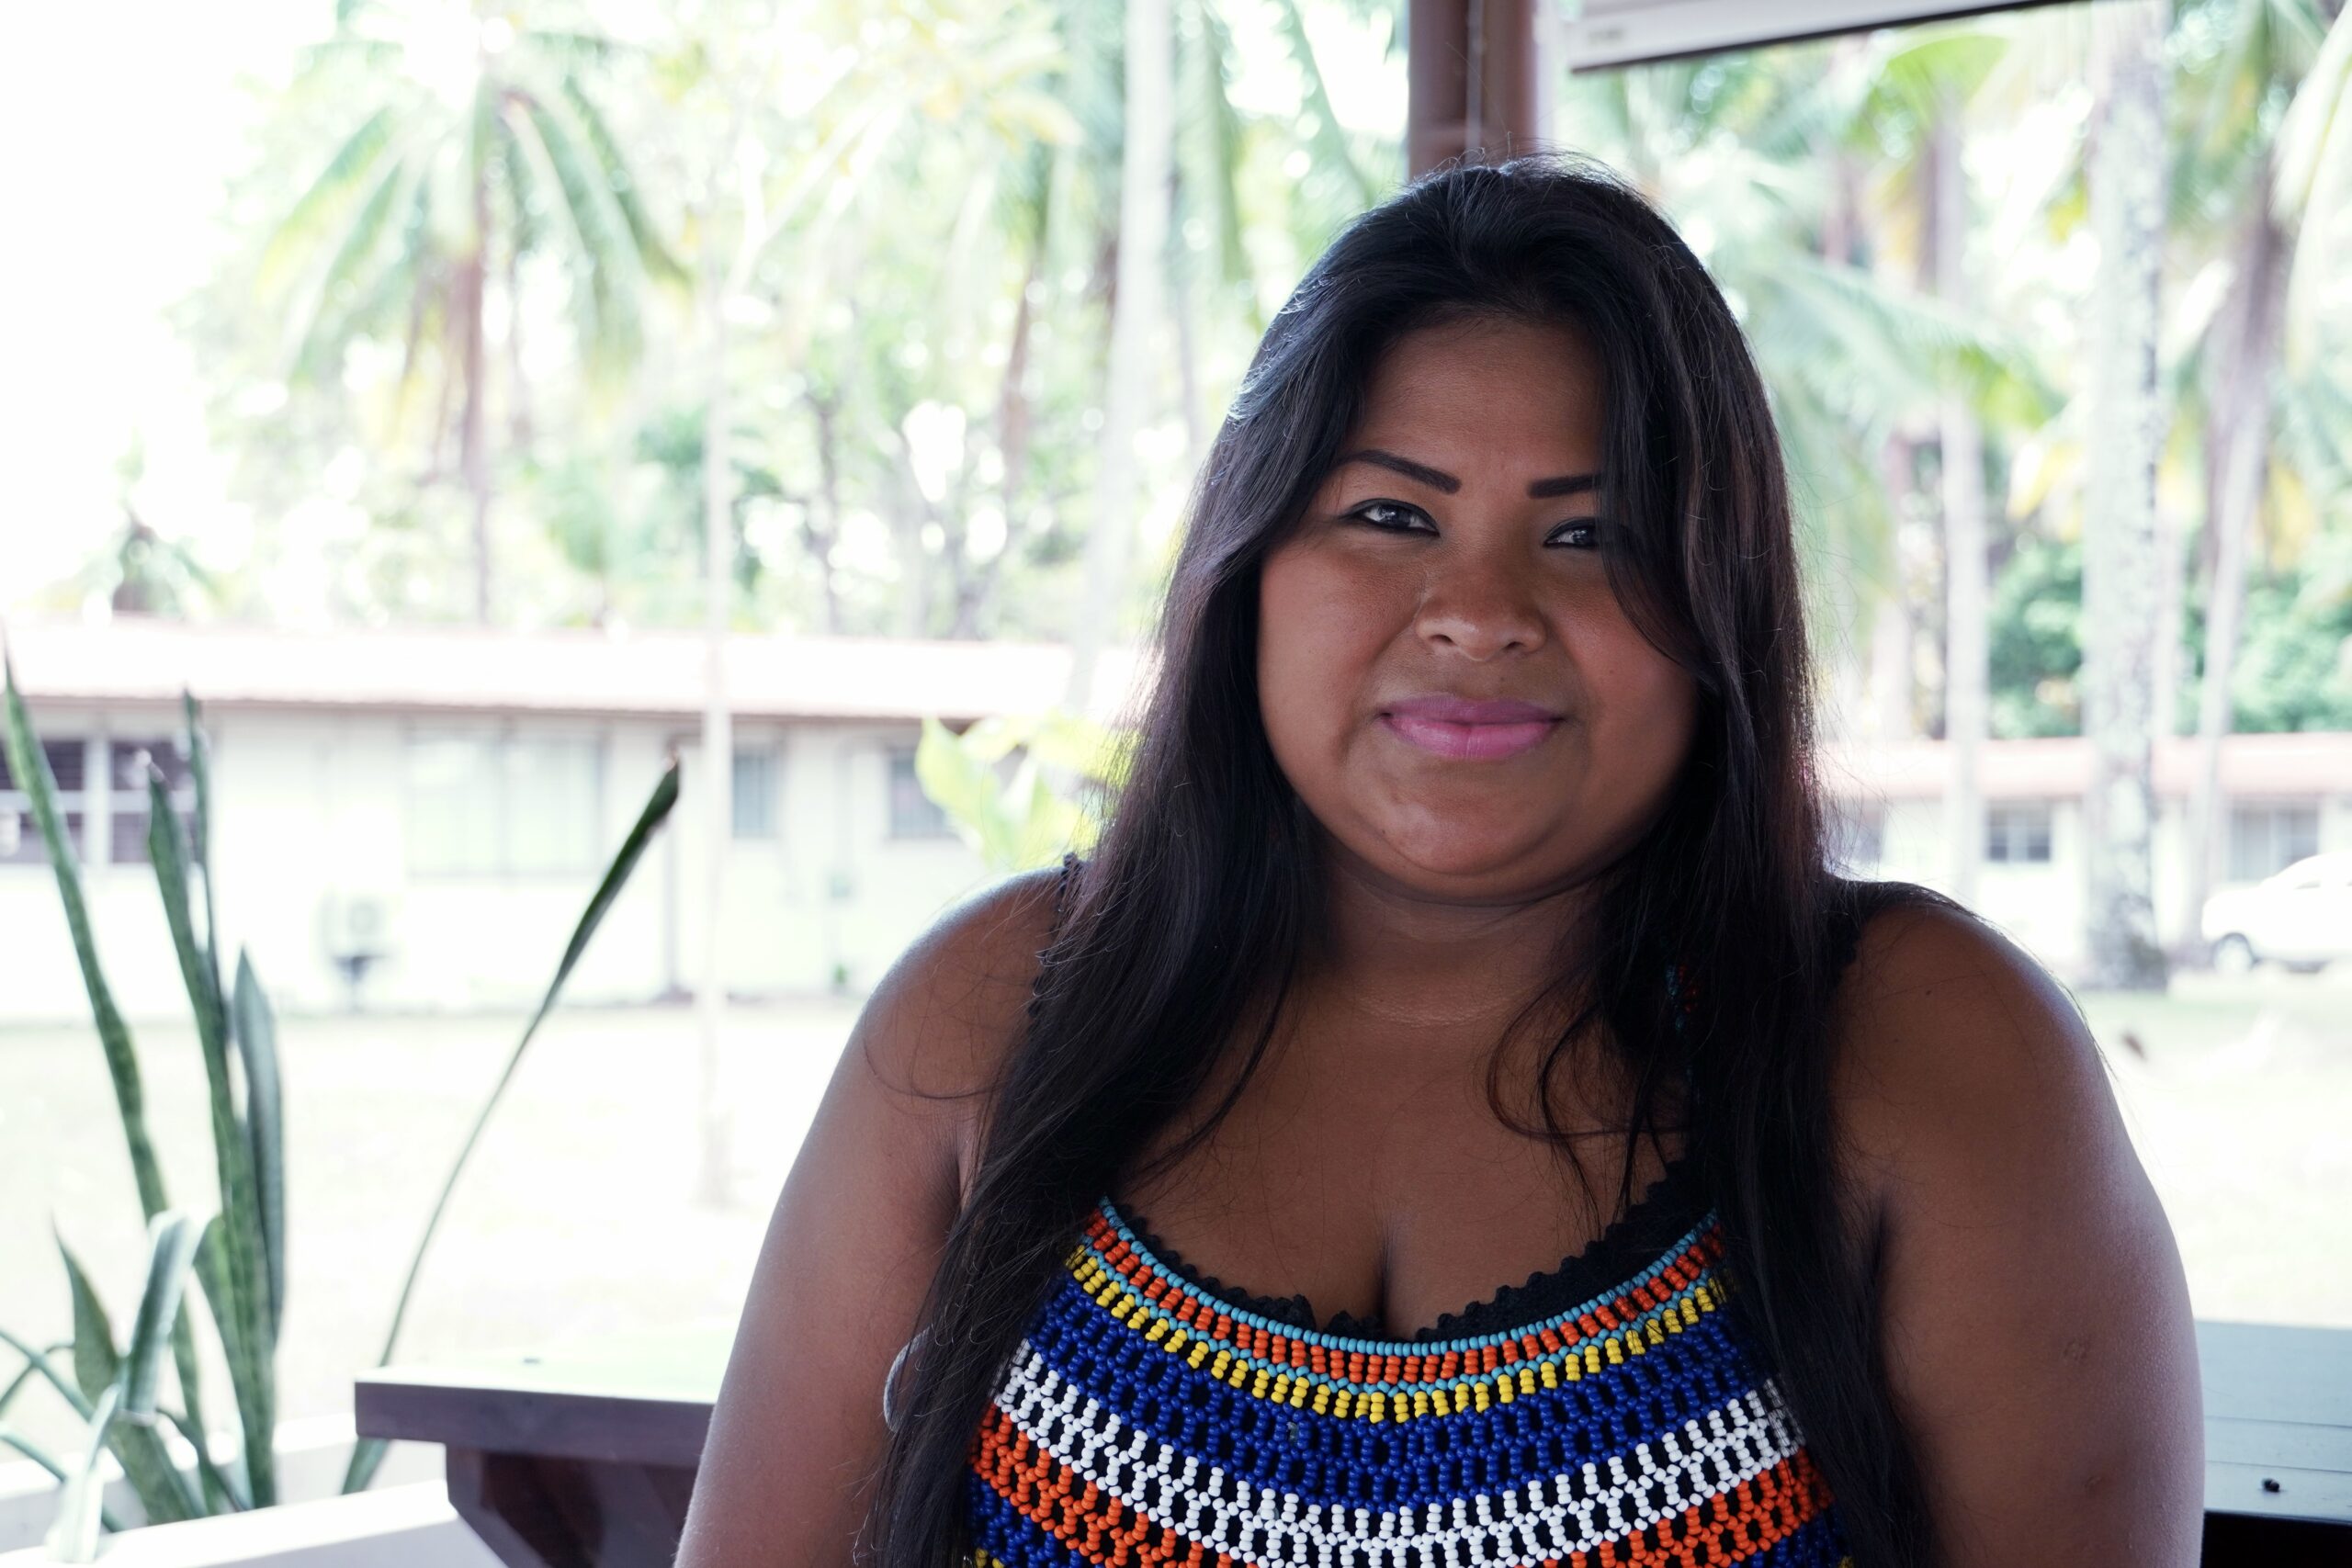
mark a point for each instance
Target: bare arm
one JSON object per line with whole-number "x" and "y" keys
{"x": 2039, "y": 1339}
{"x": 796, "y": 1432}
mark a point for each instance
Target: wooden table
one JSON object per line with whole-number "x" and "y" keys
{"x": 585, "y": 1456}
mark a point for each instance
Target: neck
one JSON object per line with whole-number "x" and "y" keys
{"x": 1421, "y": 959}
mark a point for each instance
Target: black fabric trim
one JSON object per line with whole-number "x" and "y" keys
{"x": 1636, "y": 1239}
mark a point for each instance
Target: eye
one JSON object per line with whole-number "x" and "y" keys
{"x": 1394, "y": 517}
{"x": 1579, "y": 533}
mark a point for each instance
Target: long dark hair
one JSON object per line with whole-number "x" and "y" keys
{"x": 1205, "y": 889}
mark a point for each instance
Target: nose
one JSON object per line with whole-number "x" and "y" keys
{"x": 1481, "y": 605}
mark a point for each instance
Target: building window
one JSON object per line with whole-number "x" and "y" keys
{"x": 1857, "y": 836}
{"x": 127, "y": 764}
{"x": 755, "y": 795}
{"x": 489, "y": 802}
{"x": 20, "y": 834}
{"x": 2017, "y": 835}
{"x": 913, "y": 815}
{"x": 2271, "y": 837}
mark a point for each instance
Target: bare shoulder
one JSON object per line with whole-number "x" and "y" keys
{"x": 2034, "y": 1315}
{"x": 1951, "y": 1041}
{"x": 939, "y": 1024}
{"x": 796, "y": 1432}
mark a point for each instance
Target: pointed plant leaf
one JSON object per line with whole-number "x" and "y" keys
{"x": 256, "y": 1034}
{"x": 368, "y": 1453}
{"x": 172, "y": 1239}
{"x": 231, "y": 1266}
{"x": 45, "y": 1363}
{"x": 28, "y": 766}
{"x": 163, "y": 1492}
{"x": 95, "y": 1360}
{"x": 73, "y": 1535}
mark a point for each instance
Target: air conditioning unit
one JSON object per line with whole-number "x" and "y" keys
{"x": 356, "y": 930}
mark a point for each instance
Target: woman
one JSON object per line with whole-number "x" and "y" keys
{"x": 1464, "y": 920}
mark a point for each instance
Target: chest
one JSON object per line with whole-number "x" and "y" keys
{"x": 1388, "y": 1176}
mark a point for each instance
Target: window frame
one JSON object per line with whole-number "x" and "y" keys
{"x": 503, "y": 739}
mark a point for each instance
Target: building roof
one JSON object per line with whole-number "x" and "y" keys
{"x": 136, "y": 659}
{"x": 2289, "y": 765}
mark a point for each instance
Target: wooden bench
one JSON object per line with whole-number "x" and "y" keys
{"x": 585, "y": 1455}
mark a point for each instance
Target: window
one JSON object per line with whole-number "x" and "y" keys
{"x": 489, "y": 802}
{"x": 127, "y": 764}
{"x": 2017, "y": 835}
{"x": 554, "y": 796}
{"x": 755, "y": 795}
{"x": 2270, "y": 837}
{"x": 20, "y": 834}
{"x": 1857, "y": 836}
{"x": 913, "y": 815}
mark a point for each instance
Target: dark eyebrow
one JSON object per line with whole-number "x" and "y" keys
{"x": 1438, "y": 479}
{"x": 1435, "y": 479}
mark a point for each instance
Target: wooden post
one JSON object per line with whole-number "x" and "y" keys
{"x": 1471, "y": 81}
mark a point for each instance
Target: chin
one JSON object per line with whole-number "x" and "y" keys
{"x": 1457, "y": 850}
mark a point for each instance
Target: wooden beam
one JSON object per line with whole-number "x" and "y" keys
{"x": 1471, "y": 82}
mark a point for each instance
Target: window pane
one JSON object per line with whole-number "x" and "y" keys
{"x": 20, "y": 835}
{"x": 755, "y": 795}
{"x": 555, "y": 789}
{"x": 127, "y": 764}
{"x": 21, "y": 842}
{"x": 2269, "y": 838}
{"x": 66, "y": 762}
{"x": 913, "y": 815}
{"x": 453, "y": 790}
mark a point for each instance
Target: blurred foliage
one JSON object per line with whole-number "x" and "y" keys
{"x": 2294, "y": 665}
{"x": 1020, "y": 791}
{"x": 237, "y": 1256}
{"x": 909, "y": 216}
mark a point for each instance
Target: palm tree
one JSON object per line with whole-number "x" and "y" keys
{"x": 2121, "y": 570}
{"x": 1741, "y": 149}
{"x": 476, "y": 146}
{"x": 2271, "y": 46}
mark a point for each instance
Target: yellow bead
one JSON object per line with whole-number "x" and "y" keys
{"x": 1551, "y": 1374}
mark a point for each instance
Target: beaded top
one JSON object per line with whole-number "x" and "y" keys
{"x": 1148, "y": 1417}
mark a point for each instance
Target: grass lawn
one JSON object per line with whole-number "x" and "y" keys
{"x": 579, "y": 1216}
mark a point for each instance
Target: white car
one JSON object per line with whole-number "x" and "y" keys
{"x": 2301, "y": 918}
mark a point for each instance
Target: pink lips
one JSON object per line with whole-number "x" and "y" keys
{"x": 1467, "y": 730}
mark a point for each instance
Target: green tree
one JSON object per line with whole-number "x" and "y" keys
{"x": 474, "y": 150}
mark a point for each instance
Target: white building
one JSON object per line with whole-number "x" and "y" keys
{"x": 445, "y": 798}
{"x": 449, "y": 797}
{"x": 2286, "y": 796}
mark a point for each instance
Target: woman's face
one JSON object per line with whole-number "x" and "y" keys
{"x": 1447, "y": 679}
